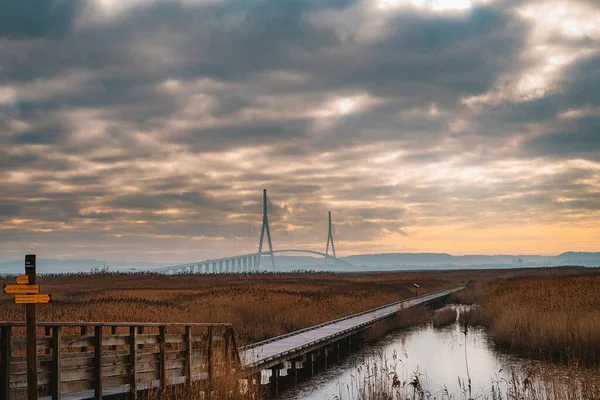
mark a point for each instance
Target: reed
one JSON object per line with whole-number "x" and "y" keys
{"x": 378, "y": 377}
{"x": 548, "y": 316}
{"x": 259, "y": 306}
{"x": 444, "y": 317}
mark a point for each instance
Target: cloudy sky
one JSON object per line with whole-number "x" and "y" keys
{"x": 147, "y": 129}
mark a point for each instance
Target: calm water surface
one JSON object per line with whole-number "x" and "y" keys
{"x": 439, "y": 356}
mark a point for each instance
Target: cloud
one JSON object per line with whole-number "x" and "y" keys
{"x": 155, "y": 124}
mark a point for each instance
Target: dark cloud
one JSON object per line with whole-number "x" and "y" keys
{"x": 579, "y": 139}
{"x": 37, "y": 18}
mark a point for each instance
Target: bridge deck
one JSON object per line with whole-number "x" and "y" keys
{"x": 274, "y": 351}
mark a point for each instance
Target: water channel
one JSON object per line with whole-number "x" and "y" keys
{"x": 443, "y": 359}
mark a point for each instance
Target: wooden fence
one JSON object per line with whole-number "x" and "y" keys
{"x": 89, "y": 360}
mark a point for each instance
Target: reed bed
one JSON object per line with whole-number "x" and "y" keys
{"x": 259, "y": 306}
{"x": 552, "y": 317}
{"x": 444, "y": 317}
{"x": 378, "y": 377}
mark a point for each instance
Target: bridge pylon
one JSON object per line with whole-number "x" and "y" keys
{"x": 330, "y": 240}
{"x": 265, "y": 228}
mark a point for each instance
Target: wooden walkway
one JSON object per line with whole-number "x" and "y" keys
{"x": 277, "y": 350}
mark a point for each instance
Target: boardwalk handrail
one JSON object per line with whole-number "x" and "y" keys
{"x": 92, "y": 359}
{"x": 135, "y": 324}
{"x": 310, "y": 328}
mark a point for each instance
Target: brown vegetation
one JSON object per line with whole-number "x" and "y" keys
{"x": 555, "y": 316}
{"x": 377, "y": 378}
{"x": 260, "y": 306}
{"x": 444, "y": 317}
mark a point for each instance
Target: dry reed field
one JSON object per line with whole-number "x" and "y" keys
{"x": 554, "y": 315}
{"x": 259, "y": 306}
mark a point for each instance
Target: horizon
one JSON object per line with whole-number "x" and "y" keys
{"x": 147, "y": 129}
{"x": 42, "y": 258}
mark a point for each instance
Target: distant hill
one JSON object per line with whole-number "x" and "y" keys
{"x": 363, "y": 262}
{"x": 46, "y": 266}
{"x": 579, "y": 255}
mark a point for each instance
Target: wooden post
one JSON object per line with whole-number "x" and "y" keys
{"x": 84, "y": 332}
{"x": 188, "y": 355}
{"x": 234, "y": 350}
{"x": 5, "y": 332}
{"x": 113, "y": 331}
{"x": 163, "y": 358}
{"x": 56, "y": 340}
{"x": 275, "y": 379}
{"x": 98, "y": 362}
{"x": 295, "y": 371}
{"x": 132, "y": 361}
{"x": 226, "y": 351}
{"x": 338, "y": 351}
{"x": 140, "y": 331}
{"x": 47, "y": 333}
{"x": 210, "y": 360}
{"x": 31, "y": 322}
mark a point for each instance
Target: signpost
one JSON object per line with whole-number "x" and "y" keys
{"x": 21, "y": 289}
{"x": 32, "y": 299}
{"x": 27, "y": 292}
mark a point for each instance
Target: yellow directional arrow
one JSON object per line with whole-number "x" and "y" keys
{"x": 22, "y": 280}
{"x": 21, "y": 289}
{"x": 32, "y": 299}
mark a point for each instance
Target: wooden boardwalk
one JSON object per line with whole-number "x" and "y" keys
{"x": 277, "y": 350}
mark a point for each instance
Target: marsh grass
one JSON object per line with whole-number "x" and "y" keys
{"x": 550, "y": 317}
{"x": 444, "y": 317}
{"x": 378, "y": 377}
{"x": 259, "y": 306}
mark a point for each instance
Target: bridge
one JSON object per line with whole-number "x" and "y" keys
{"x": 251, "y": 262}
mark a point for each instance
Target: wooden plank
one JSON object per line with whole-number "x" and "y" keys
{"x": 76, "y": 386}
{"x": 132, "y": 360}
{"x": 56, "y": 364}
{"x": 5, "y": 336}
{"x": 78, "y": 341}
{"x": 42, "y": 342}
{"x": 163, "y": 363}
{"x": 188, "y": 354}
{"x": 174, "y": 338}
{"x": 98, "y": 362}
{"x": 115, "y": 340}
{"x": 148, "y": 339}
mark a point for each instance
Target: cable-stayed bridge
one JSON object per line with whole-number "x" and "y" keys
{"x": 251, "y": 262}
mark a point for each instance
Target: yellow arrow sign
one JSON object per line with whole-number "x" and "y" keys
{"x": 22, "y": 280}
{"x": 21, "y": 289}
{"x": 32, "y": 299}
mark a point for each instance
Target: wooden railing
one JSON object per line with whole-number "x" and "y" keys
{"x": 96, "y": 359}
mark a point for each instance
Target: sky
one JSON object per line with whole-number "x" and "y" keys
{"x": 147, "y": 129}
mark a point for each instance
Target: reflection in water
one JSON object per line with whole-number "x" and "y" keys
{"x": 437, "y": 355}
